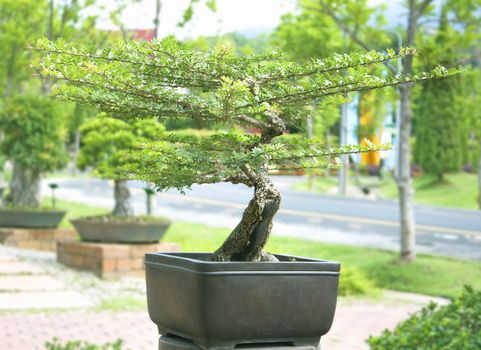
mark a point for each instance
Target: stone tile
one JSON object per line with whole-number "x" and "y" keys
{"x": 4, "y": 258}
{"x": 43, "y": 300}
{"x": 26, "y": 283}
{"x": 17, "y": 268}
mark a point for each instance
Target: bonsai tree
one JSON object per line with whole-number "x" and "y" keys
{"x": 33, "y": 139}
{"x": 105, "y": 143}
{"x": 263, "y": 92}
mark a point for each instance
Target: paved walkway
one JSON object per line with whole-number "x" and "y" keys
{"x": 24, "y": 285}
{"x": 33, "y": 289}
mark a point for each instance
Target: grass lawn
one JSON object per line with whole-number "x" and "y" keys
{"x": 429, "y": 275}
{"x": 457, "y": 190}
{"x": 74, "y": 210}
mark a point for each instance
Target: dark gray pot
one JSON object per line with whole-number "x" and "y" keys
{"x": 121, "y": 231}
{"x": 219, "y": 305}
{"x": 31, "y": 218}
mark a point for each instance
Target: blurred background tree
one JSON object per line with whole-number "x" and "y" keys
{"x": 34, "y": 139}
{"x": 21, "y": 22}
{"x": 105, "y": 143}
{"x": 441, "y": 130}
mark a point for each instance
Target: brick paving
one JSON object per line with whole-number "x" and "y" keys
{"x": 352, "y": 325}
{"x": 22, "y": 328}
{"x": 30, "y": 332}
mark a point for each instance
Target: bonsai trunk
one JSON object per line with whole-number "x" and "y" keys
{"x": 24, "y": 188}
{"x": 247, "y": 240}
{"x": 123, "y": 206}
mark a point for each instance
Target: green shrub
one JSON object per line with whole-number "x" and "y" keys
{"x": 456, "y": 326}
{"x": 55, "y": 344}
{"x": 354, "y": 282}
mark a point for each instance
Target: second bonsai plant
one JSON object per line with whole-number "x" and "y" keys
{"x": 240, "y": 294}
{"x": 105, "y": 142}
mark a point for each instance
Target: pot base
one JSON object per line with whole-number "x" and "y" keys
{"x": 178, "y": 343}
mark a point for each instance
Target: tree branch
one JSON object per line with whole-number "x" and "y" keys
{"x": 353, "y": 35}
{"x": 422, "y": 7}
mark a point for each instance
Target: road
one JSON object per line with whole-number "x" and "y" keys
{"x": 441, "y": 231}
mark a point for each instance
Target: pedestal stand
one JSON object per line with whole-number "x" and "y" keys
{"x": 177, "y": 343}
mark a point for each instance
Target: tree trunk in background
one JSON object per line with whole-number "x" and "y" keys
{"x": 158, "y": 8}
{"x": 479, "y": 177}
{"x": 149, "y": 203}
{"x": 123, "y": 207}
{"x": 404, "y": 181}
{"x": 76, "y": 151}
{"x": 247, "y": 240}
{"x": 344, "y": 171}
{"x": 24, "y": 188}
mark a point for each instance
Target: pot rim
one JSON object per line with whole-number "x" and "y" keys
{"x": 191, "y": 262}
{"x": 33, "y": 211}
{"x": 92, "y": 220}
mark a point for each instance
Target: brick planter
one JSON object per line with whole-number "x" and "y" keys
{"x": 37, "y": 239}
{"x": 109, "y": 259}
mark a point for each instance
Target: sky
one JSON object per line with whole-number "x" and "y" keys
{"x": 231, "y": 15}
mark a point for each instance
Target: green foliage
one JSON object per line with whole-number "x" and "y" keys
{"x": 354, "y": 282}
{"x": 265, "y": 92}
{"x": 455, "y": 191}
{"x": 430, "y": 275}
{"x": 239, "y": 43}
{"x": 106, "y": 140}
{"x": 308, "y": 35}
{"x": 56, "y": 344}
{"x": 451, "y": 327}
{"x": 441, "y": 128}
{"x": 74, "y": 210}
{"x": 138, "y": 77}
{"x": 189, "y": 11}
{"x": 23, "y": 21}
{"x": 316, "y": 27}
{"x": 179, "y": 161}
{"x": 33, "y": 133}
{"x": 20, "y": 23}
{"x": 123, "y": 303}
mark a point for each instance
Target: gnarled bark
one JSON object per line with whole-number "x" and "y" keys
{"x": 123, "y": 206}
{"x": 247, "y": 240}
{"x": 24, "y": 188}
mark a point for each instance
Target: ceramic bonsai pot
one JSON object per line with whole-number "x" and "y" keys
{"x": 121, "y": 231}
{"x": 219, "y": 305}
{"x": 31, "y": 218}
